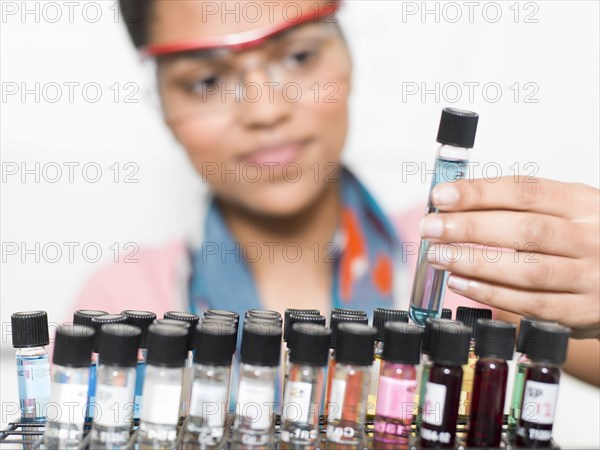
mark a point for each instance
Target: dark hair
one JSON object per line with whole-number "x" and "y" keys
{"x": 136, "y": 15}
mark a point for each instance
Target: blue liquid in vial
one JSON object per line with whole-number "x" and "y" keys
{"x": 429, "y": 284}
{"x": 33, "y": 375}
{"x": 140, "y": 372}
{"x": 89, "y": 415}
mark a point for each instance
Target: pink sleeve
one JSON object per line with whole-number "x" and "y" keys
{"x": 407, "y": 226}
{"x": 154, "y": 283}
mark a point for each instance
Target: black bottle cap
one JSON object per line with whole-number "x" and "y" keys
{"x": 215, "y": 343}
{"x": 383, "y": 315}
{"x": 261, "y": 344}
{"x": 446, "y": 313}
{"x": 310, "y": 344}
{"x": 300, "y": 318}
{"x": 98, "y": 321}
{"x": 347, "y": 312}
{"x": 262, "y": 312}
{"x": 458, "y": 128}
{"x": 73, "y": 345}
{"x": 142, "y": 320}
{"x": 221, "y": 319}
{"x": 222, "y": 313}
{"x": 187, "y": 317}
{"x": 427, "y": 332}
{"x": 524, "y": 328}
{"x": 167, "y": 345}
{"x": 402, "y": 343}
{"x": 449, "y": 343}
{"x": 119, "y": 344}
{"x": 337, "y": 319}
{"x": 29, "y": 329}
{"x": 495, "y": 339}
{"x": 470, "y": 316}
{"x": 547, "y": 342}
{"x": 84, "y": 316}
{"x": 289, "y": 311}
{"x": 355, "y": 344}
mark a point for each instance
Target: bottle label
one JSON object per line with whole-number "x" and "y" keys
{"x": 114, "y": 405}
{"x": 162, "y": 406}
{"x": 539, "y": 402}
{"x": 396, "y": 398}
{"x": 336, "y": 399}
{"x": 255, "y": 402}
{"x": 68, "y": 403}
{"x": 296, "y": 405}
{"x": 373, "y": 387}
{"x": 435, "y": 401}
{"x": 208, "y": 402}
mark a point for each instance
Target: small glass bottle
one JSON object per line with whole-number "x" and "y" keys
{"x": 167, "y": 352}
{"x": 115, "y": 388}
{"x": 186, "y": 392}
{"x": 96, "y": 322}
{"x": 380, "y": 317}
{"x": 457, "y": 135}
{"x": 30, "y": 337}
{"x": 397, "y": 384}
{"x": 304, "y": 390}
{"x": 514, "y": 410}
{"x": 336, "y": 319}
{"x": 70, "y": 378}
{"x": 142, "y": 320}
{"x": 215, "y": 343}
{"x": 469, "y": 317}
{"x": 292, "y": 319}
{"x": 547, "y": 349}
{"x": 449, "y": 350}
{"x": 253, "y": 425}
{"x": 495, "y": 341}
{"x": 349, "y": 390}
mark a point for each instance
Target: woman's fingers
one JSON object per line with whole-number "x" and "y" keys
{"x": 499, "y": 265}
{"x": 521, "y": 231}
{"x": 539, "y": 195}
{"x": 574, "y": 310}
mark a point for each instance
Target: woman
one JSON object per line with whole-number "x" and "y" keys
{"x": 259, "y": 100}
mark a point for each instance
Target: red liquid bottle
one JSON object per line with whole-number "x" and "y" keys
{"x": 449, "y": 350}
{"x": 495, "y": 341}
{"x": 547, "y": 349}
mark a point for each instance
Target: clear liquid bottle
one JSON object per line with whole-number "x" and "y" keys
{"x": 70, "y": 378}
{"x": 142, "y": 320}
{"x": 214, "y": 344}
{"x": 349, "y": 390}
{"x": 457, "y": 135}
{"x": 115, "y": 388}
{"x": 30, "y": 337}
{"x": 253, "y": 426}
{"x": 167, "y": 352}
{"x": 304, "y": 390}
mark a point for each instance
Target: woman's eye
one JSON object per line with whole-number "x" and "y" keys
{"x": 302, "y": 57}
{"x": 205, "y": 83}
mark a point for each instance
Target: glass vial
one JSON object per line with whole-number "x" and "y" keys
{"x": 214, "y": 344}
{"x": 449, "y": 350}
{"x": 261, "y": 349}
{"x": 469, "y": 317}
{"x": 142, "y": 320}
{"x": 186, "y": 392}
{"x": 70, "y": 378}
{"x": 457, "y": 135}
{"x": 396, "y": 405}
{"x": 349, "y": 389}
{"x": 115, "y": 389}
{"x": 30, "y": 337}
{"x": 167, "y": 352}
{"x": 380, "y": 317}
{"x": 547, "y": 350}
{"x": 304, "y": 390}
{"x": 495, "y": 342}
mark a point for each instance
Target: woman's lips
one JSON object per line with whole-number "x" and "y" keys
{"x": 278, "y": 155}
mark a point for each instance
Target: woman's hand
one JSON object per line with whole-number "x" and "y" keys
{"x": 537, "y": 249}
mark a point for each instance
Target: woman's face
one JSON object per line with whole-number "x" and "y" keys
{"x": 265, "y": 126}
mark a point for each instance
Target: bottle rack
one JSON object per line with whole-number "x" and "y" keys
{"x": 27, "y": 436}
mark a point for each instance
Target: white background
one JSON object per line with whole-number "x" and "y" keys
{"x": 393, "y": 52}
